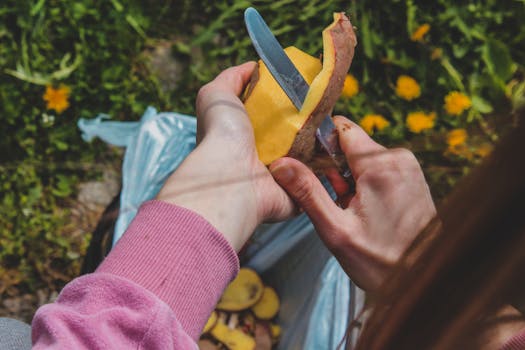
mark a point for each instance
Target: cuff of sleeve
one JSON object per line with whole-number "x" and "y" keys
{"x": 516, "y": 342}
{"x": 179, "y": 256}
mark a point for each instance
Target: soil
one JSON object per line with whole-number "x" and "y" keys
{"x": 92, "y": 199}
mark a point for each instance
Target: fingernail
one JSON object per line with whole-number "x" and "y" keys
{"x": 282, "y": 173}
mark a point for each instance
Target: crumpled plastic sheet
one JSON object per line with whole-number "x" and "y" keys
{"x": 155, "y": 147}
{"x": 317, "y": 298}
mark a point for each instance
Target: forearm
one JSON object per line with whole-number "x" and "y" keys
{"x": 170, "y": 259}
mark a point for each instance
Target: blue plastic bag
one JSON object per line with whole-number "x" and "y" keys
{"x": 317, "y": 298}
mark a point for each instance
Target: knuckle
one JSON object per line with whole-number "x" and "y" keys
{"x": 203, "y": 92}
{"x": 373, "y": 177}
{"x": 337, "y": 237}
{"x": 403, "y": 161}
{"x": 302, "y": 190}
{"x": 402, "y": 156}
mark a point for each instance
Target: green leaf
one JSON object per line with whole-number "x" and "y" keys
{"x": 37, "y": 7}
{"x": 60, "y": 145}
{"x": 366, "y": 36}
{"x": 63, "y": 187}
{"x": 453, "y": 73}
{"x": 497, "y": 58}
{"x": 481, "y": 105}
{"x": 411, "y": 16}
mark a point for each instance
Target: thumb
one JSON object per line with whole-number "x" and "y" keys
{"x": 306, "y": 190}
{"x": 218, "y": 105}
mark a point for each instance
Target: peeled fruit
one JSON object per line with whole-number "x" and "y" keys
{"x": 268, "y": 306}
{"x": 243, "y": 292}
{"x": 234, "y": 339}
{"x": 279, "y": 128}
{"x": 212, "y": 320}
{"x": 275, "y": 331}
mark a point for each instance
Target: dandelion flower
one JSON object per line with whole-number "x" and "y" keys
{"x": 351, "y": 86}
{"x": 456, "y": 137}
{"x": 456, "y": 141}
{"x": 436, "y": 53}
{"x": 420, "y": 32}
{"x": 373, "y": 122}
{"x": 419, "y": 121}
{"x": 407, "y": 88}
{"x": 57, "y": 99}
{"x": 483, "y": 150}
{"x": 456, "y": 103}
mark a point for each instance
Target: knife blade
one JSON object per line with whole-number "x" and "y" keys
{"x": 289, "y": 78}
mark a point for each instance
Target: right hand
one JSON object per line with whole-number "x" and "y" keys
{"x": 373, "y": 226}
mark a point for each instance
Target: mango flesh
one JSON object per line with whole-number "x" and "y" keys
{"x": 279, "y": 128}
{"x": 274, "y": 118}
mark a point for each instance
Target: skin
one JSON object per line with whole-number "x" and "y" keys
{"x": 369, "y": 230}
{"x": 224, "y": 181}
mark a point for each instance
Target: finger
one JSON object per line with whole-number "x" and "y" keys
{"x": 218, "y": 101}
{"x": 306, "y": 190}
{"x": 234, "y": 79}
{"x": 356, "y": 144}
{"x": 228, "y": 85}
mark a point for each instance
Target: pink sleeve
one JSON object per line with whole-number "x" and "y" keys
{"x": 517, "y": 342}
{"x": 155, "y": 289}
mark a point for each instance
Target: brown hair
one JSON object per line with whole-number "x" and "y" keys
{"x": 464, "y": 266}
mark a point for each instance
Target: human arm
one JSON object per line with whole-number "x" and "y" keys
{"x": 161, "y": 281}
{"x": 155, "y": 289}
{"x": 223, "y": 179}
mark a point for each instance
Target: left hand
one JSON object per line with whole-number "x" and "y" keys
{"x": 223, "y": 179}
{"x": 372, "y": 227}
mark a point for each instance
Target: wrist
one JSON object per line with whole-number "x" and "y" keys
{"x": 214, "y": 187}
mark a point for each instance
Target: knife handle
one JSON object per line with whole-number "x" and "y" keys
{"x": 322, "y": 160}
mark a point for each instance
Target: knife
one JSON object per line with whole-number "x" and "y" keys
{"x": 288, "y": 77}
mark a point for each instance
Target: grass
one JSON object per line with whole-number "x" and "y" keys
{"x": 104, "y": 52}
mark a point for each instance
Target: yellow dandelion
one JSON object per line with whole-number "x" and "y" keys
{"x": 420, "y": 32}
{"x": 456, "y": 103}
{"x": 57, "y": 98}
{"x": 436, "y": 53}
{"x": 483, "y": 150}
{"x": 407, "y": 88}
{"x": 461, "y": 151}
{"x": 456, "y": 137}
{"x": 373, "y": 122}
{"x": 456, "y": 141}
{"x": 419, "y": 121}
{"x": 351, "y": 86}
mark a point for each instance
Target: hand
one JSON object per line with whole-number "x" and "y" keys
{"x": 374, "y": 225}
{"x": 223, "y": 179}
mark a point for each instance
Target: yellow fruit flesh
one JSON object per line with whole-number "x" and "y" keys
{"x": 268, "y": 306}
{"x": 234, "y": 339}
{"x": 210, "y": 323}
{"x": 243, "y": 292}
{"x": 275, "y": 119}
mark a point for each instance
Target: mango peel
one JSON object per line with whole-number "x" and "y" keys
{"x": 279, "y": 128}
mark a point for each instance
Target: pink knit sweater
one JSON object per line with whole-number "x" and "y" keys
{"x": 155, "y": 290}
